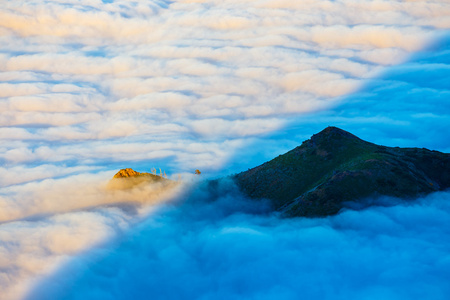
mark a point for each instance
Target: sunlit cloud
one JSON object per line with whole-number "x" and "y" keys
{"x": 105, "y": 71}
{"x": 45, "y": 223}
{"x": 222, "y": 249}
{"x": 31, "y": 249}
{"x": 88, "y": 87}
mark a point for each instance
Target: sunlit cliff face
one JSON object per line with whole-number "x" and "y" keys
{"x": 89, "y": 87}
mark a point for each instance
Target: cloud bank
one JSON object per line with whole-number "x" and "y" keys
{"x": 44, "y": 225}
{"x": 133, "y": 81}
{"x": 231, "y": 249}
{"x": 89, "y": 87}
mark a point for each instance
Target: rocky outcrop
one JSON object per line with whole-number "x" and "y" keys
{"x": 128, "y": 178}
{"x": 128, "y": 172}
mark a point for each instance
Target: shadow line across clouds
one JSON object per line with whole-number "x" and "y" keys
{"x": 231, "y": 248}
{"x": 406, "y": 105}
{"x": 216, "y": 244}
{"x": 221, "y": 86}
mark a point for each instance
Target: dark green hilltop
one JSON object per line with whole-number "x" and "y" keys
{"x": 335, "y": 167}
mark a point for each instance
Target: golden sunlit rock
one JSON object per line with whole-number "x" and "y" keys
{"x": 128, "y": 178}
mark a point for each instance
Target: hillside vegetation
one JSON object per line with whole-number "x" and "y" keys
{"x": 334, "y": 167}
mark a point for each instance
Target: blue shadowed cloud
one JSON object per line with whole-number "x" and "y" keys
{"x": 220, "y": 86}
{"x": 407, "y": 105}
{"x": 231, "y": 248}
{"x": 204, "y": 250}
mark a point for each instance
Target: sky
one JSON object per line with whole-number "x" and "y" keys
{"x": 89, "y": 87}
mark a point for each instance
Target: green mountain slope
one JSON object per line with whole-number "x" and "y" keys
{"x": 335, "y": 166}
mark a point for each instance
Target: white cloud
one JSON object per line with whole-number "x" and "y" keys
{"x": 225, "y": 249}
{"x": 156, "y": 64}
{"x": 70, "y": 192}
{"x": 31, "y": 249}
{"x": 21, "y": 174}
{"x": 87, "y": 85}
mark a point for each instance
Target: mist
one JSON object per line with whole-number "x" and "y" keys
{"x": 89, "y": 87}
{"x": 45, "y": 224}
{"x": 221, "y": 245}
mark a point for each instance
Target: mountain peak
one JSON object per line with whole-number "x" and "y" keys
{"x": 331, "y": 133}
{"x": 332, "y": 130}
{"x": 335, "y": 166}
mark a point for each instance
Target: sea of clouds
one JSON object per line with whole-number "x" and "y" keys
{"x": 233, "y": 249}
{"x": 89, "y": 87}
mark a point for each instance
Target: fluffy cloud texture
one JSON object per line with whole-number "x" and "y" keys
{"x": 140, "y": 81}
{"x": 43, "y": 225}
{"x": 88, "y": 87}
{"x": 31, "y": 249}
{"x": 211, "y": 251}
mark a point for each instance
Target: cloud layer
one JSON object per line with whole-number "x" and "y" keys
{"x": 89, "y": 87}
{"x": 218, "y": 250}
{"x": 133, "y": 81}
{"x": 44, "y": 225}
